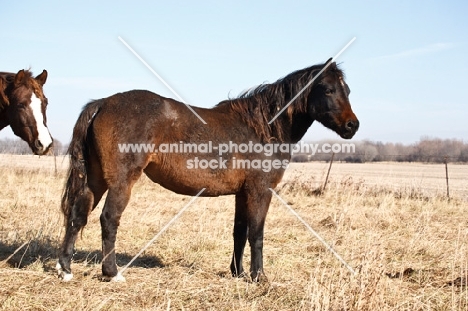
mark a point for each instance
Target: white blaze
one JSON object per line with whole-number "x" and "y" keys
{"x": 43, "y": 133}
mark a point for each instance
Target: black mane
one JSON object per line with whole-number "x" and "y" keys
{"x": 260, "y": 104}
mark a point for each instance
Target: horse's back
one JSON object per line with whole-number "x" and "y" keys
{"x": 131, "y": 100}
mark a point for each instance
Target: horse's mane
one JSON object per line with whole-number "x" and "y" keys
{"x": 259, "y": 105}
{"x": 3, "y": 100}
{"x": 7, "y": 80}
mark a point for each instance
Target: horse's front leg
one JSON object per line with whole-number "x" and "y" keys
{"x": 257, "y": 207}
{"x": 240, "y": 235}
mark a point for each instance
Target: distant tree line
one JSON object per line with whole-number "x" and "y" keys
{"x": 433, "y": 150}
{"x": 428, "y": 150}
{"x": 18, "y": 146}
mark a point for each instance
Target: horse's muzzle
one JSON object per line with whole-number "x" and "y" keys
{"x": 40, "y": 149}
{"x": 350, "y": 129}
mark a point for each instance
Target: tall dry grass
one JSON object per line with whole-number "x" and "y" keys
{"x": 407, "y": 244}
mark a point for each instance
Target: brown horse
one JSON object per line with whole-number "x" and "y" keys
{"x": 23, "y": 106}
{"x": 99, "y": 163}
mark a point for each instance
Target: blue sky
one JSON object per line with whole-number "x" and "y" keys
{"x": 406, "y": 69}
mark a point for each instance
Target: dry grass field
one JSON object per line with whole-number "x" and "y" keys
{"x": 391, "y": 222}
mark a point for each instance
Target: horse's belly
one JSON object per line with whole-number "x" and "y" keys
{"x": 190, "y": 178}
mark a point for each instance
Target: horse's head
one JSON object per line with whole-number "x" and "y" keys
{"x": 26, "y": 107}
{"x": 329, "y": 103}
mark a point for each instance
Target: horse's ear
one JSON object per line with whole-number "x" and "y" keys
{"x": 41, "y": 79}
{"x": 19, "y": 77}
{"x": 330, "y": 63}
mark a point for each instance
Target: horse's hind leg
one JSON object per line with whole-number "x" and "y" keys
{"x": 116, "y": 201}
{"x": 77, "y": 219}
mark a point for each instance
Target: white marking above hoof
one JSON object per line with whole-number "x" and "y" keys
{"x": 66, "y": 277}
{"x": 118, "y": 278}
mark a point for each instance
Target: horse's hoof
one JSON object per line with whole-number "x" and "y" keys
{"x": 66, "y": 277}
{"x": 258, "y": 277}
{"x": 239, "y": 275}
{"x": 118, "y": 278}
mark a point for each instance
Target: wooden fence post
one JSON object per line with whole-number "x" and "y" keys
{"x": 447, "y": 178}
{"x": 328, "y": 173}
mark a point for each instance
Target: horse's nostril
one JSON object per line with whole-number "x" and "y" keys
{"x": 352, "y": 125}
{"x": 38, "y": 144}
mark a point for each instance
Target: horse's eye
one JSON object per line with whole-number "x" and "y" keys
{"x": 328, "y": 92}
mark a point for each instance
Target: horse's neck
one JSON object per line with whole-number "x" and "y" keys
{"x": 3, "y": 118}
{"x": 296, "y": 128}
{"x": 4, "y": 104}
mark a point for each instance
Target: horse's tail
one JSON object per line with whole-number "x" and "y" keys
{"x": 75, "y": 186}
